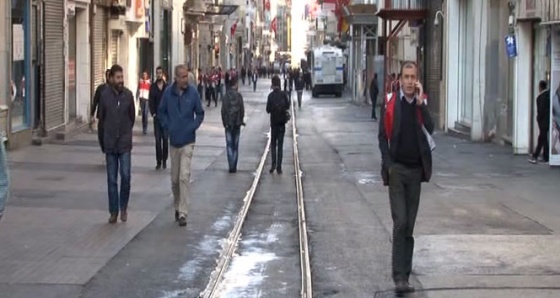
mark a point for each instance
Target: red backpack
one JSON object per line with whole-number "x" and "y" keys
{"x": 390, "y": 112}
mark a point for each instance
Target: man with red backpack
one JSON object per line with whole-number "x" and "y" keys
{"x": 405, "y": 127}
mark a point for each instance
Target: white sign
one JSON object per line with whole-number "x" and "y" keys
{"x": 18, "y": 42}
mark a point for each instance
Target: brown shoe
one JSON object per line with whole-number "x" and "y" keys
{"x": 124, "y": 216}
{"x": 113, "y": 218}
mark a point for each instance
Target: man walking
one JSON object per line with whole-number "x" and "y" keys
{"x": 255, "y": 76}
{"x": 181, "y": 114}
{"x": 233, "y": 112}
{"x": 162, "y": 140}
{"x": 543, "y": 120}
{"x": 95, "y": 111}
{"x": 117, "y": 113}
{"x": 406, "y": 163}
{"x": 373, "y": 92}
{"x": 300, "y": 84}
{"x": 277, "y": 106}
{"x": 4, "y": 176}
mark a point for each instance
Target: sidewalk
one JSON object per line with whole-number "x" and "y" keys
{"x": 55, "y": 229}
{"x": 487, "y": 225}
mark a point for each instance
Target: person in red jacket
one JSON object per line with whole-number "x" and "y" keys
{"x": 404, "y": 128}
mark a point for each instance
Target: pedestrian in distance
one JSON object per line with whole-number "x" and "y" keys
{"x": 117, "y": 113}
{"x": 543, "y": 120}
{"x": 162, "y": 140}
{"x": 94, "y": 111}
{"x": 300, "y": 85}
{"x": 233, "y": 112}
{"x": 181, "y": 114}
{"x": 277, "y": 105}
{"x": 4, "y": 176}
{"x": 143, "y": 94}
{"x": 374, "y": 92}
{"x": 255, "y": 76}
{"x": 404, "y": 137}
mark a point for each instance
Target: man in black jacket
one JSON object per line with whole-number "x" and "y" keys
{"x": 162, "y": 140}
{"x": 373, "y": 92}
{"x": 94, "y": 111}
{"x": 277, "y": 106}
{"x": 543, "y": 120}
{"x": 117, "y": 113}
{"x": 299, "y": 84}
{"x": 406, "y": 163}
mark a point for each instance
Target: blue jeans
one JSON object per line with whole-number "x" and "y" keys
{"x": 118, "y": 163}
{"x": 232, "y": 144}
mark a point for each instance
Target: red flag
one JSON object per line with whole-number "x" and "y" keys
{"x": 273, "y": 25}
{"x": 233, "y": 28}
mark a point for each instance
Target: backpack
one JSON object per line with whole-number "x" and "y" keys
{"x": 280, "y": 106}
{"x": 234, "y": 108}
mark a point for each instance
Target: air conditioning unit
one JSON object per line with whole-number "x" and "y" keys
{"x": 118, "y": 7}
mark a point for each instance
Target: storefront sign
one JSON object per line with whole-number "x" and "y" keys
{"x": 554, "y": 156}
{"x": 511, "y": 46}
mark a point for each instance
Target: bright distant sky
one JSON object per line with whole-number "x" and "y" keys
{"x": 299, "y": 31}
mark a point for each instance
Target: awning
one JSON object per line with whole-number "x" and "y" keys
{"x": 220, "y": 9}
{"x": 402, "y": 14}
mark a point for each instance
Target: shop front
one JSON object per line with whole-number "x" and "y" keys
{"x": 22, "y": 78}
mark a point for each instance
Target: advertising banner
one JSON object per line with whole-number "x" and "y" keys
{"x": 555, "y": 98}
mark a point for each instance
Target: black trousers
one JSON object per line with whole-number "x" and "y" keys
{"x": 404, "y": 196}
{"x": 100, "y": 133}
{"x": 277, "y": 145}
{"x": 542, "y": 144}
{"x": 162, "y": 142}
{"x": 373, "y": 105}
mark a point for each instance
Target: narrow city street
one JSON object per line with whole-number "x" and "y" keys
{"x": 487, "y": 226}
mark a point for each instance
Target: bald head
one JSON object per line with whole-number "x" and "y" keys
{"x": 181, "y": 76}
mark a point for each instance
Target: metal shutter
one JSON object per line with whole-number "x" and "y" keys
{"x": 114, "y": 47}
{"x": 100, "y": 29}
{"x": 54, "y": 63}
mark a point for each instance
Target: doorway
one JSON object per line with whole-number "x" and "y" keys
{"x": 72, "y": 106}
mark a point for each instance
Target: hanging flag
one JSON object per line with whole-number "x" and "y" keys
{"x": 273, "y": 25}
{"x": 233, "y": 28}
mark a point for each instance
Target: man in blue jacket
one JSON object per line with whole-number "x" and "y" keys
{"x": 181, "y": 114}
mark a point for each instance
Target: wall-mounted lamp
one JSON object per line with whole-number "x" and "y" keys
{"x": 436, "y": 19}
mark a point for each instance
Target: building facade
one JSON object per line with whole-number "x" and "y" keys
{"x": 490, "y": 95}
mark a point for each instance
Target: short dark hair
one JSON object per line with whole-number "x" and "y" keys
{"x": 159, "y": 68}
{"x": 543, "y": 85}
{"x": 276, "y": 81}
{"x": 116, "y": 68}
{"x": 108, "y": 72}
{"x": 408, "y": 64}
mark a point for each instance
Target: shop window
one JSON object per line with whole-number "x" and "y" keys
{"x": 19, "y": 83}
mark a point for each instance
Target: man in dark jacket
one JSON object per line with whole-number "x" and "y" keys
{"x": 299, "y": 84}
{"x": 543, "y": 120}
{"x": 117, "y": 113}
{"x": 373, "y": 92}
{"x": 181, "y": 114}
{"x": 94, "y": 111}
{"x": 233, "y": 112}
{"x": 162, "y": 140}
{"x": 406, "y": 163}
{"x": 277, "y": 106}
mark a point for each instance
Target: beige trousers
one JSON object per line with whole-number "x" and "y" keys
{"x": 180, "y": 176}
